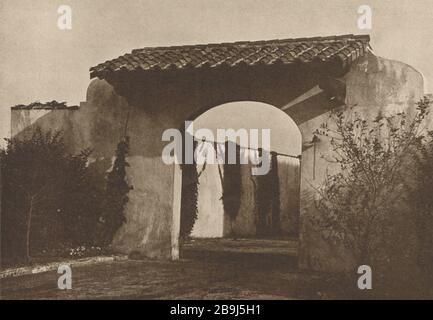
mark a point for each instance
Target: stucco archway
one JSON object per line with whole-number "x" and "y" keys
{"x": 286, "y": 145}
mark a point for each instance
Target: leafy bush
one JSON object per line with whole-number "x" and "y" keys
{"x": 47, "y": 198}
{"x": 356, "y": 202}
{"x": 375, "y": 206}
{"x": 421, "y": 200}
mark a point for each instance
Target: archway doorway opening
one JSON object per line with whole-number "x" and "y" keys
{"x": 228, "y": 206}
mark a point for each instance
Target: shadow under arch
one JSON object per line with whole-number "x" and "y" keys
{"x": 261, "y": 116}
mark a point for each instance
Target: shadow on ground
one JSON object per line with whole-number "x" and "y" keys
{"x": 229, "y": 269}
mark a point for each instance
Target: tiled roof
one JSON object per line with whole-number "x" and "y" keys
{"x": 346, "y": 49}
{"x": 51, "y": 105}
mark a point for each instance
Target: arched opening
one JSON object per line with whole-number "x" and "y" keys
{"x": 224, "y": 201}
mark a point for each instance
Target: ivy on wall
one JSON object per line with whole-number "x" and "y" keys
{"x": 267, "y": 200}
{"x": 267, "y": 195}
{"x": 275, "y": 187}
{"x": 232, "y": 184}
{"x": 189, "y": 196}
{"x": 116, "y": 195}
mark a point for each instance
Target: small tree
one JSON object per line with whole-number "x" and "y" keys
{"x": 357, "y": 205}
{"x": 44, "y": 192}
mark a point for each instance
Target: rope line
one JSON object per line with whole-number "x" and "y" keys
{"x": 254, "y": 149}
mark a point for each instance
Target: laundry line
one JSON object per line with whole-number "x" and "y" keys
{"x": 248, "y": 148}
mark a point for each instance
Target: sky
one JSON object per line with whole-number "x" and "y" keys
{"x": 284, "y": 135}
{"x": 39, "y": 62}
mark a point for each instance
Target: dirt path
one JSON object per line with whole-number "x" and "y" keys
{"x": 201, "y": 274}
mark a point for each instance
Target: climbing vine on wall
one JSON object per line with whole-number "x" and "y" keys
{"x": 275, "y": 186}
{"x": 116, "y": 195}
{"x": 232, "y": 185}
{"x": 189, "y": 202}
{"x": 267, "y": 200}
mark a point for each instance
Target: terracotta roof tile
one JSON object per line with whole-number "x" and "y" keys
{"x": 51, "y": 105}
{"x": 346, "y": 48}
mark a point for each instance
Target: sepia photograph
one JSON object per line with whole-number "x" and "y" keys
{"x": 227, "y": 152}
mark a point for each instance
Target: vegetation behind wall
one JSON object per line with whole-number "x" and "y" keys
{"x": 54, "y": 201}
